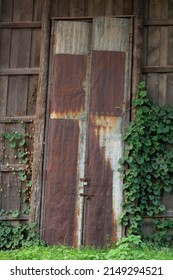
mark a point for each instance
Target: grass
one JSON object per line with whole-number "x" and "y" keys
{"x": 129, "y": 248}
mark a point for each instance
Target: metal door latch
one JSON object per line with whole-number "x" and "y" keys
{"x": 87, "y": 195}
{"x": 85, "y": 181}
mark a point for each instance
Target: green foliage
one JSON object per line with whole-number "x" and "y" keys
{"x": 129, "y": 248}
{"x": 12, "y": 237}
{"x": 147, "y": 166}
{"x": 18, "y": 142}
{"x": 126, "y": 248}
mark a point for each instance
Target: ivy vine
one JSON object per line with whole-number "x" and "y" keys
{"x": 23, "y": 234}
{"x": 13, "y": 237}
{"x": 147, "y": 168}
{"x": 18, "y": 142}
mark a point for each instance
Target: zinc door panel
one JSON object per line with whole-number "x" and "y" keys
{"x": 110, "y": 69}
{"x": 67, "y": 134}
{"x": 88, "y": 95}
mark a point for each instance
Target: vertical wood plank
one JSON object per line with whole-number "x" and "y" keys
{"x": 3, "y": 95}
{"x": 137, "y": 47}
{"x": 163, "y": 55}
{"x": 32, "y": 95}
{"x": 155, "y": 8}
{"x": 20, "y": 48}
{"x": 17, "y": 96}
{"x": 13, "y": 192}
{"x": 5, "y": 182}
{"x": 170, "y": 45}
{"x": 164, "y": 46}
{"x": 5, "y": 38}
{"x": 154, "y": 38}
{"x": 162, "y": 89}
{"x": 153, "y": 87}
{"x": 170, "y": 9}
{"x": 40, "y": 113}
{"x": 164, "y": 9}
{"x": 55, "y": 8}
{"x": 23, "y": 10}
{"x": 64, "y": 8}
{"x": 95, "y": 8}
{"x": 77, "y": 8}
{"x": 118, "y": 7}
{"x": 109, "y": 8}
{"x": 35, "y": 48}
{"x": 146, "y": 9}
{"x": 6, "y": 10}
{"x": 170, "y": 89}
{"x": 37, "y": 9}
{"x": 1, "y": 160}
{"x": 127, "y": 10}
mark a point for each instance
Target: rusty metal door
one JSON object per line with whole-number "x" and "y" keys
{"x": 88, "y": 97}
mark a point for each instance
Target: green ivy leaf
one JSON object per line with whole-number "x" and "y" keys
{"x": 22, "y": 142}
{"x": 168, "y": 189}
{"x": 29, "y": 183}
{"x": 15, "y": 214}
{"x": 21, "y": 154}
{"x": 22, "y": 175}
{"x": 13, "y": 145}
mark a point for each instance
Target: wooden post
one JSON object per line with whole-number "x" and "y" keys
{"x": 138, "y": 8}
{"x": 37, "y": 168}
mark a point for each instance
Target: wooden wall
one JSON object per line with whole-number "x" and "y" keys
{"x": 20, "y": 29}
{"x": 20, "y": 34}
{"x": 79, "y": 8}
{"x": 157, "y": 52}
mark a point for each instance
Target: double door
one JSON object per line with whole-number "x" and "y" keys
{"x": 89, "y": 92}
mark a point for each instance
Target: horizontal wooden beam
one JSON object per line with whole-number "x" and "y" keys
{"x": 158, "y": 22}
{"x": 157, "y": 69}
{"x": 16, "y": 119}
{"x": 21, "y": 24}
{"x": 10, "y": 218}
{"x": 19, "y": 71}
{"x": 89, "y": 17}
{"x": 12, "y": 167}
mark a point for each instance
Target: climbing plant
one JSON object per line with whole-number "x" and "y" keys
{"x": 12, "y": 237}
{"x": 147, "y": 168}
{"x": 22, "y": 234}
{"x": 18, "y": 142}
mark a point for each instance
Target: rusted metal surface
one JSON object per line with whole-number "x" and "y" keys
{"x": 69, "y": 74}
{"x": 107, "y": 93}
{"x": 68, "y": 107}
{"x": 61, "y": 182}
{"x": 86, "y": 103}
{"x": 99, "y": 210}
{"x": 68, "y": 103}
{"x": 107, "y": 83}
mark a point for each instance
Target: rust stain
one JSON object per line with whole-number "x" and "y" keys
{"x": 68, "y": 115}
{"x": 68, "y": 89}
{"x": 107, "y": 83}
{"x": 104, "y": 148}
{"x": 99, "y": 209}
{"x": 61, "y": 182}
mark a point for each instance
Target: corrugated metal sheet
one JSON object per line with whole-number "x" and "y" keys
{"x": 61, "y": 182}
{"x": 68, "y": 101}
{"x": 107, "y": 92}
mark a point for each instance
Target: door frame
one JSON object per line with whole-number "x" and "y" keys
{"x": 126, "y": 120}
